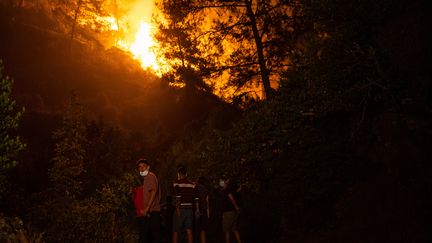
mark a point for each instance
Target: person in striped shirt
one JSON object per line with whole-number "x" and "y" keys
{"x": 186, "y": 200}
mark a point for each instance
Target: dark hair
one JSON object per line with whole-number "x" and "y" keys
{"x": 224, "y": 177}
{"x": 181, "y": 170}
{"x": 142, "y": 161}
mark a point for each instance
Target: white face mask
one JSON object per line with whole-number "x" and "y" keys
{"x": 144, "y": 173}
{"x": 222, "y": 183}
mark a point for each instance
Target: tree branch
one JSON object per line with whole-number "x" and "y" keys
{"x": 223, "y": 68}
{"x": 219, "y": 6}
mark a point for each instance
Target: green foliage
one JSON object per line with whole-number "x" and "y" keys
{"x": 300, "y": 150}
{"x": 103, "y": 217}
{"x": 87, "y": 208}
{"x": 69, "y": 152}
{"x": 108, "y": 155}
{"x": 10, "y": 144}
{"x": 90, "y": 192}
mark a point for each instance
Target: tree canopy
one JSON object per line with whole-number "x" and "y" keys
{"x": 325, "y": 135}
{"x": 10, "y": 143}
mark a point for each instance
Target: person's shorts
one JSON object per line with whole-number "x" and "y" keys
{"x": 229, "y": 221}
{"x": 184, "y": 220}
{"x": 202, "y": 223}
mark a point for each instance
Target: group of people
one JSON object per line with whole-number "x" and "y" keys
{"x": 191, "y": 207}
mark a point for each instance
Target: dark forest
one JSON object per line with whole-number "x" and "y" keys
{"x": 319, "y": 112}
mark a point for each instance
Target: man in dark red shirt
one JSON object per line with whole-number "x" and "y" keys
{"x": 147, "y": 204}
{"x": 186, "y": 197}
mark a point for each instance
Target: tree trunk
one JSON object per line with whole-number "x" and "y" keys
{"x": 75, "y": 19}
{"x": 260, "y": 50}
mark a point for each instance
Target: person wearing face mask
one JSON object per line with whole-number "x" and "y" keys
{"x": 230, "y": 211}
{"x": 147, "y": 204}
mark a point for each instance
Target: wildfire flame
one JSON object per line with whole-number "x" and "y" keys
{"x": 143, "y": 47}
{"x": 132, "y": 31}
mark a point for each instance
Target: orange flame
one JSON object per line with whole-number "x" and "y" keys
{"x": 142, "y": 48}
{"x": 131, "y": 31}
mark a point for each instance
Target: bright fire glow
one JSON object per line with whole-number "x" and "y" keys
{"x": 109, "y": 21}
{"x": 143, "y": 47}
{"x": 131, "y": 31}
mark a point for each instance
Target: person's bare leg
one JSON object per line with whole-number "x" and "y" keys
{"x": 227, "y": 237}
{"x": 189, "y": 235}
{"x": 175, "y": 237}
{"x": 203, "y": 236}
{"x": 237, "y": 236}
